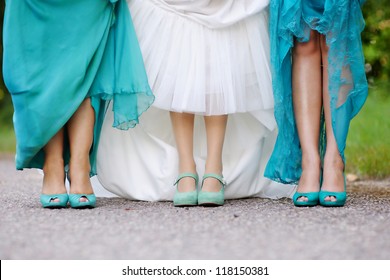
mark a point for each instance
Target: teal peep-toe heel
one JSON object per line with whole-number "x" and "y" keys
{"x": 74, "y": 201}
{"x": 212, "y": 198}
{"x": 181, "y": 199}
{"x": 341, "y": 197}
{"x": 47, "y": 200}
{"x": 312, "y": 199}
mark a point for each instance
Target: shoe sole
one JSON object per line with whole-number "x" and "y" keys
{"x": 185, "y": 205}
{"x": 53, "y": 207}
{"x": 83, "y": 207}
{"x": 210, "y": 204}
{"x": 305, "y": 203}
{"x": 332, "y": 205}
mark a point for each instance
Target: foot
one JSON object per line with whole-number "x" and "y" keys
{"x": 213, "y": 196}
{"x": 79, "y": 178}
{"x": 187, "y": 184}
{"x": 333, "y": 176}
{"x": 54, "y": 179}
{"x": 211, "y": 184}
{"x": 186, "y": 193}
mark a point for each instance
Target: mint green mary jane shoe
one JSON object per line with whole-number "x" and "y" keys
{"x": 212, "y": 198}
{"x": 182, "y": 199}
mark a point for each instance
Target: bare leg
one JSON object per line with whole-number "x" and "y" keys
{"x": 215, "y": 129}
{"x": 333, "y": 179}
{"x": 53, "y": 169}
{"x": 80, "y": 130}
{"x": 307, "y": 100}
{"x": 183, "y": 128}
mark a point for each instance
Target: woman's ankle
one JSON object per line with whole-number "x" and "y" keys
{"x": 53, "y": 177}
{"x": 311, "y": 174}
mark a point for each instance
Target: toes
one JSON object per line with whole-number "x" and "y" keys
{"x": 83, "y": 199}
{"x": 331, "y": 198}
{"x": 303, "y": 199}
{"x": 55, "y": 199}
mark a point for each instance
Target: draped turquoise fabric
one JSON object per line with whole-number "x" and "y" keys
{"x": 341, "y": 21}
{"x": 59, "y": 52}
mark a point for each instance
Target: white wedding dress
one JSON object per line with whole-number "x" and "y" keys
{"x": 207, "y": 57}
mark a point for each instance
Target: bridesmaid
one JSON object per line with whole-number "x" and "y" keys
{"x": 62, "y": 62}
{"x": 319, "y": 86}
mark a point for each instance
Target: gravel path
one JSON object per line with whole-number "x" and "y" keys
{"x": 242, "y": 229}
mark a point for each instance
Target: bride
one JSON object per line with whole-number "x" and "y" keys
{"x": 203, "y": 58}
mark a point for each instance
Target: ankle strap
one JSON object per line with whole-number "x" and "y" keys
{"x": 215, "y": 176}
{"x": 187, "y": 174}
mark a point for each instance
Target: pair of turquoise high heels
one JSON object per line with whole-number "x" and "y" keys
{"x": 315, "y": 198}
{"x": 48, "y": 200}
{"x": 201, "y": 197}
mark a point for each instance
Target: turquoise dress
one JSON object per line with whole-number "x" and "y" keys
{"x": 59, "y": 52}
{"x": 341, "y": 21}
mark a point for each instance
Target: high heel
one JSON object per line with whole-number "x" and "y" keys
{"x": 74, "y": 201}
{"x": 186, "y": 198}
{"x": 47, "y": 200}
{"x": 312, "y": 199}
{"x": 341, "y": 197}
{"x": 212, "y": 198}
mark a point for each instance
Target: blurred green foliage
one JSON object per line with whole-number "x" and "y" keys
{"x": 5, "y": 99}
{"x": 376, "y": 40}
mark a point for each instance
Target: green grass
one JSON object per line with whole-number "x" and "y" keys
{"x": 7, "y": 140}
{"x": 368, "y": 144}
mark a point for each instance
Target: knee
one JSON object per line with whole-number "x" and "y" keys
{"x": 311, "y": 47}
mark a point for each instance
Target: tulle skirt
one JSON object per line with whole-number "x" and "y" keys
{"x": 197, "y": 69}
{"x": 197, "y": 63}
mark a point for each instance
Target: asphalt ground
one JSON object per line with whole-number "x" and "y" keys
{"x": 245, "y": 229}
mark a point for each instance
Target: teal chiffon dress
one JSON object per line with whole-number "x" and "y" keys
{"x": 341, "y": 21}
{"x": 57, "y": 53}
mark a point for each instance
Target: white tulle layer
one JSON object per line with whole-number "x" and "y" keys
{"x": 196, "y": 69}
{"x": 142, "y": 163}
{"x": 193, "y": 68}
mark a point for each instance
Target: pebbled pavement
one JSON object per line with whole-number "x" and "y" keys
{"x": 251, "y": 228}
